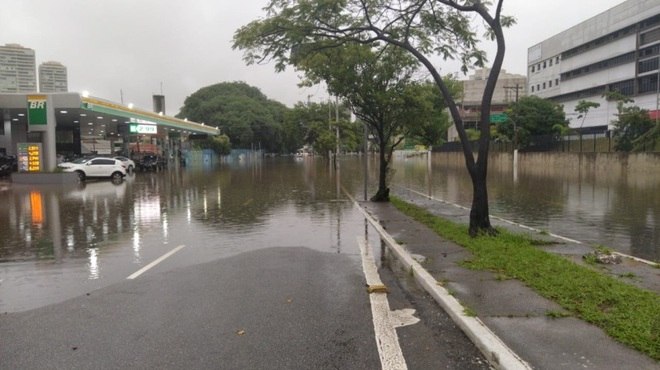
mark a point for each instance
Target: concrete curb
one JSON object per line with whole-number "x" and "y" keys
{"x": 492, "y": 347}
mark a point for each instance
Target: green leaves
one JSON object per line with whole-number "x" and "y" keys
{"x": 530, "y": 116}
{"x": 241, "y": 112}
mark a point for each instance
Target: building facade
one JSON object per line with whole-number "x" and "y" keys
{"x": 508, "y": 89}
{"x": 52, "y": 77}
{"x": 617, "y": 50}
{"x": 17, "y": 69}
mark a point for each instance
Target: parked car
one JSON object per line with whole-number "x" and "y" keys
{"x": 8, "y": 164}
{"x": 151, "y": 162}
{"x": 95, "y": 167}
{"x": 128, "y": 163}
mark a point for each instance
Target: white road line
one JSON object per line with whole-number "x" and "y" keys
{"x": 387, "y": 341}
{"x": 154, "y": 263}
{"x": 490, "y": 345}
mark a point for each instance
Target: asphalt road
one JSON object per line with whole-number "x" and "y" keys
{"x": 274, "y": 308}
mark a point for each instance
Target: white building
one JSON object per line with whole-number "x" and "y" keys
{"x": 617, "y": 50}
{"x": 17, "y": 69}
{"x": 52, "y": 77}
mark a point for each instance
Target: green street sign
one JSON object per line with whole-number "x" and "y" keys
{"x": 498, "y": 118}
{"x": 36, "y": 109}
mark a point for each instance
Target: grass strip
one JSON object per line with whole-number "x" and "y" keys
{"x": 629, "y": 314}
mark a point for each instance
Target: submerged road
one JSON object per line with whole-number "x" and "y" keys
{"x": 260, "y": 271}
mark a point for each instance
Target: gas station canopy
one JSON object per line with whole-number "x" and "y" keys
{"x": 98, "y": 116}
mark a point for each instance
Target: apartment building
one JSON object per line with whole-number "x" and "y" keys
{"x": 617, "y": 50}
{"x": 52, "y": 77}
{"x": 17, "y": 69}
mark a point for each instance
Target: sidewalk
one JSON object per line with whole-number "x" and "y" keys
{"x": 514, "y": 312}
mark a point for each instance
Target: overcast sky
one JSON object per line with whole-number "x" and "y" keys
{"x": 135, "y": 46}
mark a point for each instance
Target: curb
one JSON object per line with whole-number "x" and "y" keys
{"x": 492, "y": 347}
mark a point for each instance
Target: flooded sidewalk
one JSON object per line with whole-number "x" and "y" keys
{"x": 513, "y": 311}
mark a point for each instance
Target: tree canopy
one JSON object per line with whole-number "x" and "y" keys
{"x": 242, "y": 112}
{"x": 423, "y": 28}
{"x": 531, "y": 116}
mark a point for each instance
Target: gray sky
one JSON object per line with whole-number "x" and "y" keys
{"x": 135, "y": 45}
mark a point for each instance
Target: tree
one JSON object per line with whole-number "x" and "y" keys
{"x": 313, "y": 124}
{"x": 242, "y": 112}
{"x": 432, "y": 122}
{"x": 632, "y": 128}
{"x": 219, "y": 144}
{"x": 531, "y": 116}
{"x": 377, "y": 83}
{"x": 424, "y": 28}
{"x": 583, "y": 107}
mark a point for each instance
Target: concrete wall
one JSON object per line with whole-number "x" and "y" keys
{"x": 641, "y": 165}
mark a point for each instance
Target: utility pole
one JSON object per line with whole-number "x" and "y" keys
{"x": 516, "y": 88}
{"x": 336, "y": 130}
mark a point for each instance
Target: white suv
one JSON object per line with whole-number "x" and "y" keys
{"x": 95, "y": 167}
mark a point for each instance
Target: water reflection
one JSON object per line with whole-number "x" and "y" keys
{"x": 90, "y": 221}
{"x": 598, "y": 207}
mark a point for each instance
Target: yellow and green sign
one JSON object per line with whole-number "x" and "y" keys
{"x": 36, "y": 108}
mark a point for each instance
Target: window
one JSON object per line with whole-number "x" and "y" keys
{"x": 624, "y": 87}
{"x": 538, "y": 87}
{"x": 556, "y": 82}
{"x": 649, "y": 37}
{"x": 532, "y": 69}
{"x": 648, "y": 83}
{"x": 648, "y": 65}
{"x": 550, "y": 62}
{"x": 532, "y": 88}
{"x": 544, "y": 86}
{"x": 550, "y": 83}
{"x": 557, "y": 60}
{"x": 103, "y": 161}
{"x": 544, "y": 64}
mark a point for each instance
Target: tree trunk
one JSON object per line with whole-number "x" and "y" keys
{"x": 383, "y": 193}
{"x": 479, "y": 213}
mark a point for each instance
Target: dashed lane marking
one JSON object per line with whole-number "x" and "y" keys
{"x": 154, "y": 263}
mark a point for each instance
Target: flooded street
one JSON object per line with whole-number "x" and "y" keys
{"x": 617, "y": 211}
{"x": 57, "y": 242}
{"x": 98, "y": 233}
{"x": 247, "y": 265}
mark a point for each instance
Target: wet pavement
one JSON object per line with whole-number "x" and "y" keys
{"x": 251, "y": 265}
{"x": 514, "y": 312}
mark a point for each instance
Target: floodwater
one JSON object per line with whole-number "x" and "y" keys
{"x": 56, "y": 241}
{"x": 611, "y": 211}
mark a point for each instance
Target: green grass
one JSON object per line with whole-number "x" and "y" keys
{"x": 628, "y": 314}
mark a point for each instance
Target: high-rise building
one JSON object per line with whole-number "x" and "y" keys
{"x": 17, "y": 69}
{"x": 617, "y": 50}
{"x": 52, "y": 77}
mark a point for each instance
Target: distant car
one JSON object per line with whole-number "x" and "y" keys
{"x": 128, "y": 163}
{"x": 151, "y": 162}
{"x": 95, "y": 167}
